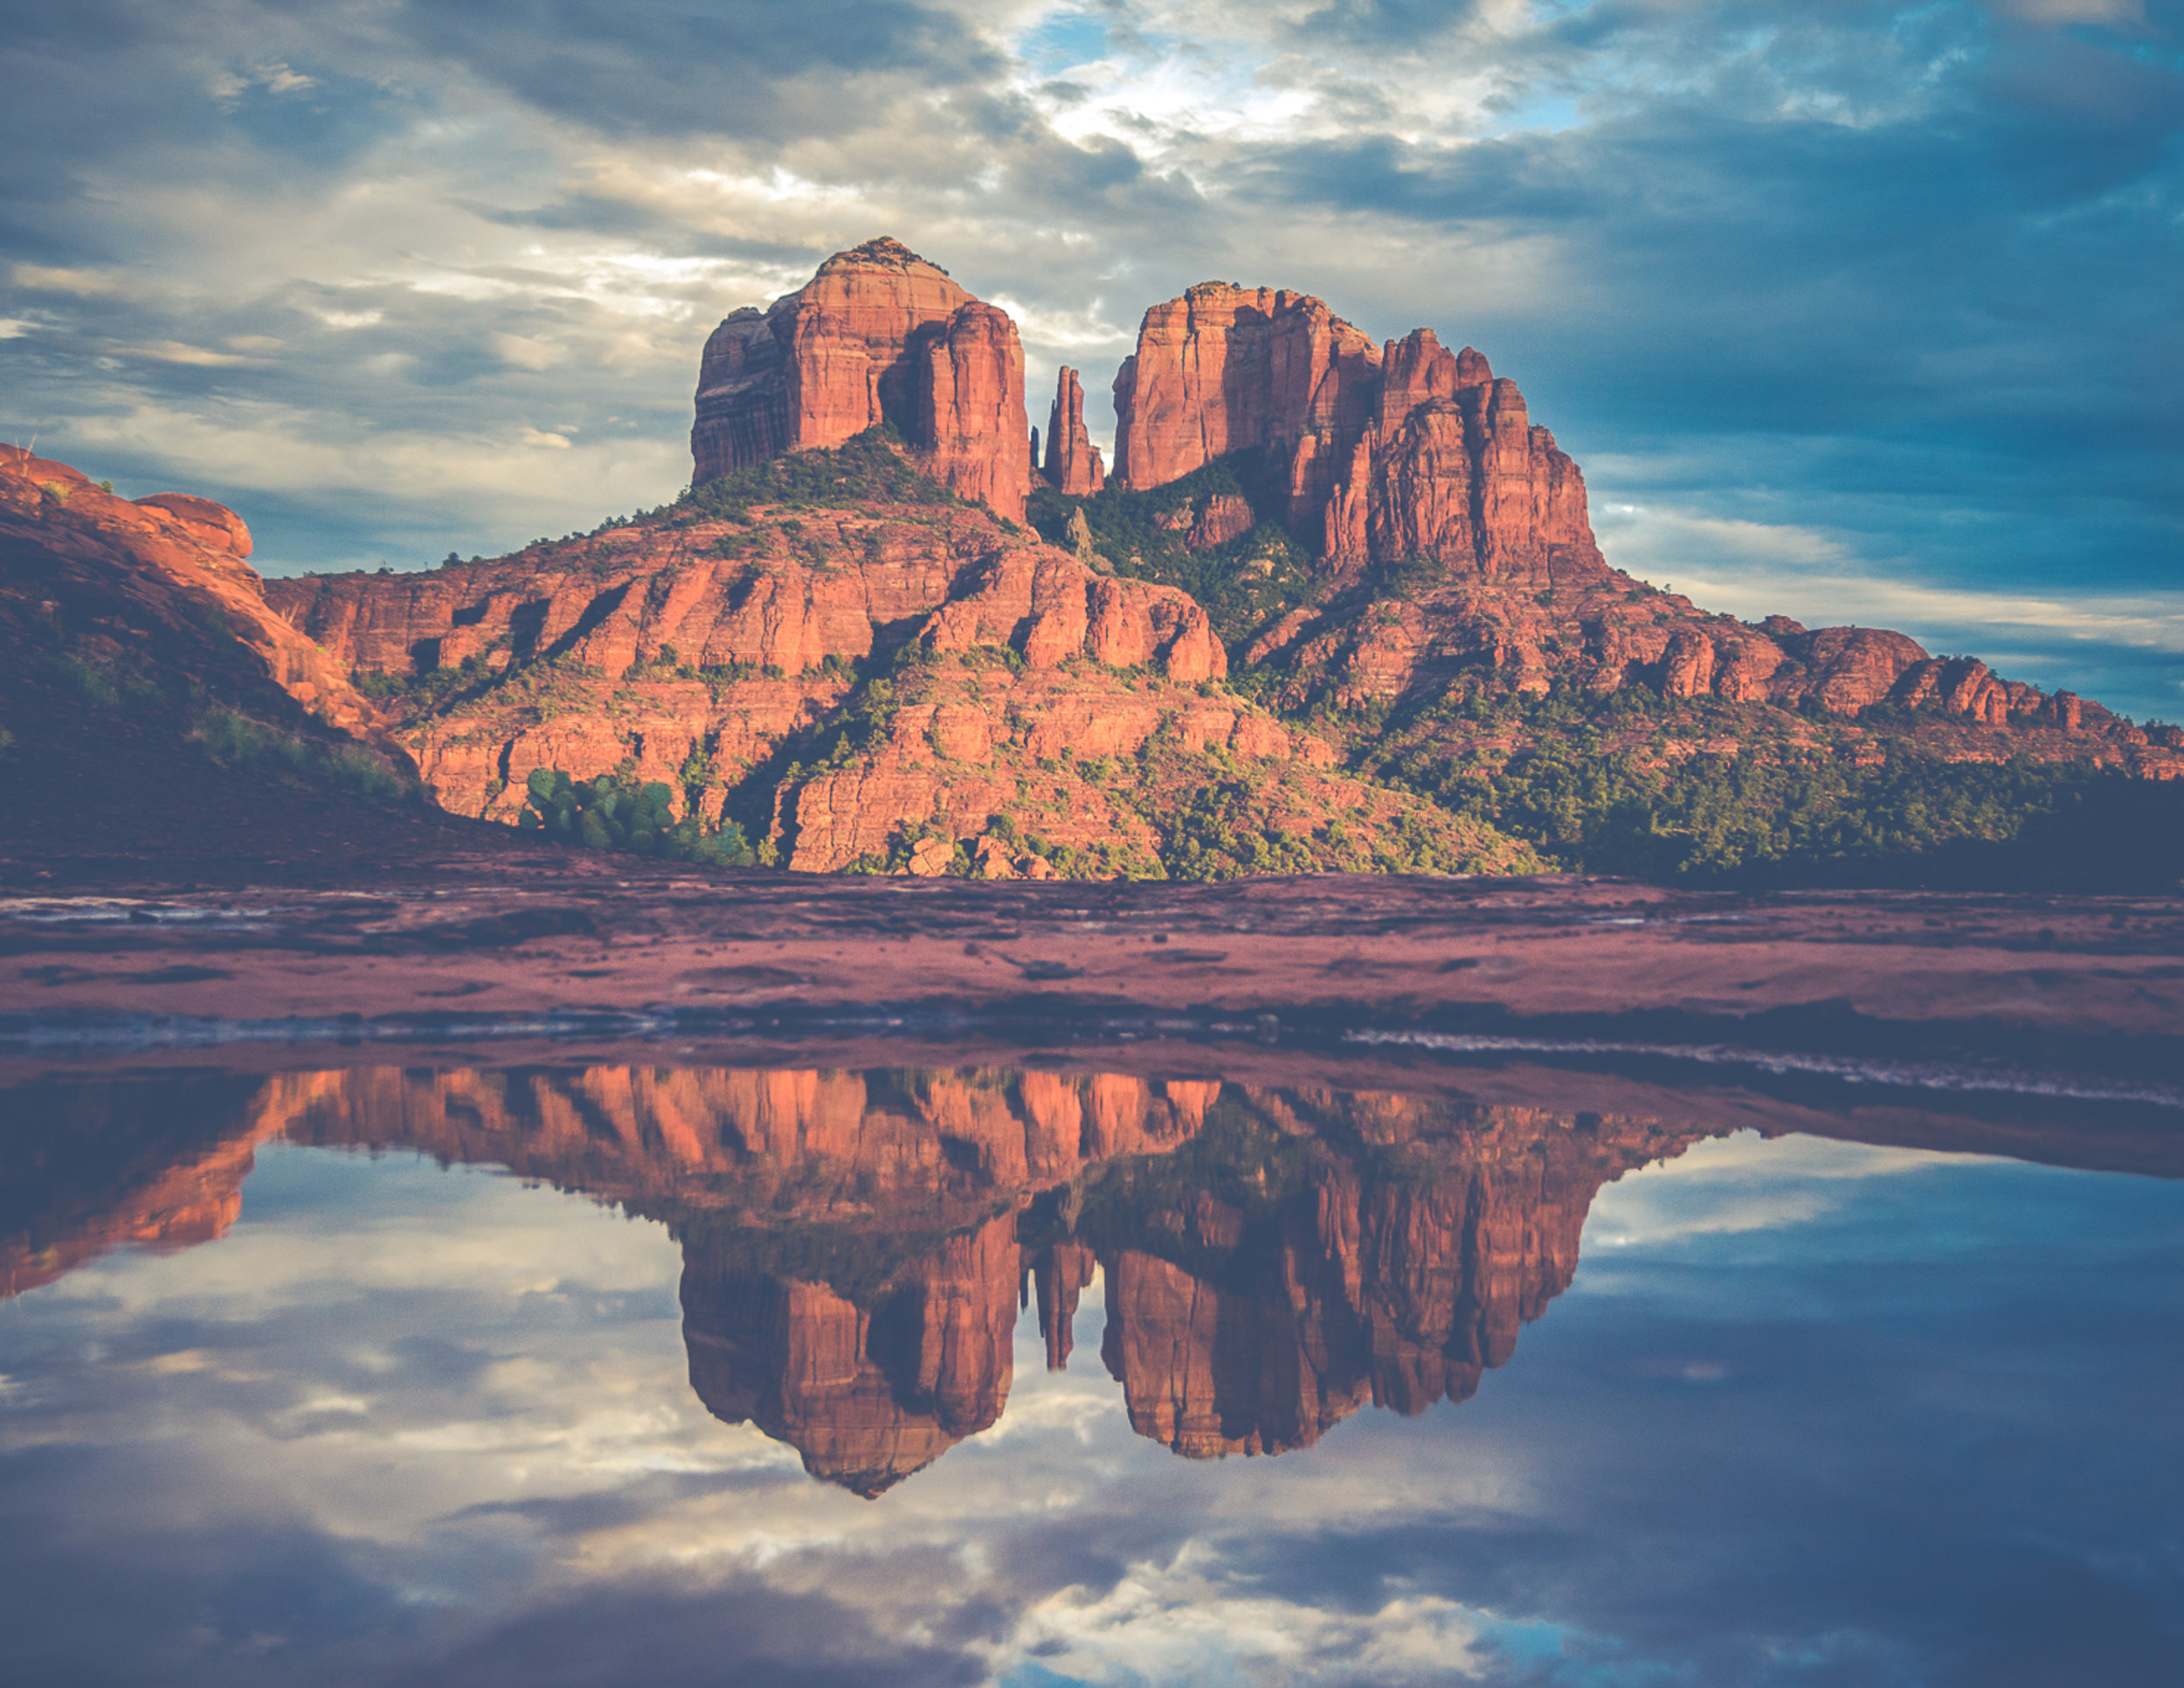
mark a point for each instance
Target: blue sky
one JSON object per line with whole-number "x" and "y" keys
{"x": 1851, "y": 311}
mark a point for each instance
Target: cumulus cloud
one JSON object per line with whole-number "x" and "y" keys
{"x": 1900, "y": 276}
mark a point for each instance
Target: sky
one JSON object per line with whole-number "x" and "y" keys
{"x": 1854, "y": 311}
{"x": 1813, "y": 1414}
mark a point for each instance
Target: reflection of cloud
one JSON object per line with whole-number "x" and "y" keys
{"x": 405, "y": 1426}
{"x": 1710, "y": 1189}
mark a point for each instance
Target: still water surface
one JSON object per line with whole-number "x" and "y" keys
{"x": 610, "y": 1373}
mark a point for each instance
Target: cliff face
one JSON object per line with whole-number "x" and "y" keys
{"x": 846, "y": 682}
{"x": 1406, "y": 457}
{"x": 172, "y": 558}
{"x": 878, "y": 336}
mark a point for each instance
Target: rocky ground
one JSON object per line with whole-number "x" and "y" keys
{"x": 2088, "y": 988}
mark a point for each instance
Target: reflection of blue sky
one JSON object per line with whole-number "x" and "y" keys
{"x": 1813, "y": 1413}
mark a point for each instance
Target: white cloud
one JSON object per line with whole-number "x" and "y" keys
{"x": 528, "y": 354}
{"x": 173, "y": 351}
{"x": 83, "y": 284}
{"x": 1754, "y": 569}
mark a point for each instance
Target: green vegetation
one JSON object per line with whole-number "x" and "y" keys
{"x": 1790, "y": 815}
{"x": 426, "y": 693}
{"x": 1219, "y": 832}
{"x": 616, "y": 813}
{"x": 1244, "y": 584}
{"x": 236, "y": 741}
{"x": 867, "y": 469}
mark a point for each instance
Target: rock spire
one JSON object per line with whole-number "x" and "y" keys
{"x": 1072, "y": 463}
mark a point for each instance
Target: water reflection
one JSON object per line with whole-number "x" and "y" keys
{"x": 1807, "y": 1413}
{"x": 857, "y": 1245}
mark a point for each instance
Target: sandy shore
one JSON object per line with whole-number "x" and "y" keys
{"x": 2088, "y": 988}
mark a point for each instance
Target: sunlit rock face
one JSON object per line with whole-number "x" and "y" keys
{"x": 1416, "y": 472}
{"x": 878, "y": 336}
{"x": 1072, "y": 463}
{"x": 645, "y": 646}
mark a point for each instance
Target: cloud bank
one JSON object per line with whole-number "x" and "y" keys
{"x": 1899, "y": 277}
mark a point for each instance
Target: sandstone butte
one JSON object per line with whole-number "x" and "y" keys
{"x": 752, "y": 652}
{"x": 948, "y": 1201}
{"x": 1405, "y": 453}
{"x": 646, "y": 645}
{"x": 878, "y": 336}
{"x": 755, "y": 658}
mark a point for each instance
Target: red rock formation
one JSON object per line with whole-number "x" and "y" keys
{"x": 1227, "y": 368}
{"x": 866, "y": 1394}
{"x": 1073, "y": 462}
{"x": 878, "y": 336}
{"x": 1402, "y": 1292}
{"x": 1386, "y": 454}
{"x": 616, "y": 620}
{"x": 187, "y": 544}
{"x": 1411, "y": 456}
{"x": 193, "y": 1202}
{"x": 1061, "y": 1271}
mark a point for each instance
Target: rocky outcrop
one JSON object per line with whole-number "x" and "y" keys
{"x": 1419, "y": 462}
{"x": 1072, "y": 463}
{"x": 179, "y": 543}
{"x": 878, "y": 336}
{"x": 658, "y": 649}
{"x": 908, "y": 686}
{"x": 1384, "y": 454}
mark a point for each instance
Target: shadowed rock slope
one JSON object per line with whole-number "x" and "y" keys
{"x": 154, "y": 714}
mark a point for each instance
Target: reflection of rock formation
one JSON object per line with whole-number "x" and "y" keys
{"x": 86, "y": 1168}
{"x": 1395, "y": 1267}
{"x": 857, "y": 1245}
{"x": 868, "y": 1394}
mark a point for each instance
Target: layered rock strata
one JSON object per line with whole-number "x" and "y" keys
{"x": 1407, "y": 458}
{"x": 753, "y": 676}
{"x": 878, "y": 336}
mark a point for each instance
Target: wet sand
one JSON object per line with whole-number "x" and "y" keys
{"x": 2083, "y": 993}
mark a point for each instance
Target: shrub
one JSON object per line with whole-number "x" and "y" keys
{"x": 236, "y": 741}
{"x": 615, "y": 812}
{"x": 870, "y": 468}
